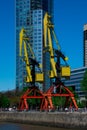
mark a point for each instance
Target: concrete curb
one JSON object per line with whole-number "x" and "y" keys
{"x": 55, "y": 119}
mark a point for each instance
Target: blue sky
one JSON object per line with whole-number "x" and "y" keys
{"x": 69, "y": 18}
{"x": 7, "y": 45}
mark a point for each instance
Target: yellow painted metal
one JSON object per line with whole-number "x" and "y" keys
{"x": 48, "y": 46}
{"x": 56, "y": 39}
{"x": 66, "y": 58}
{"x": 38, "y": 78}
{"x": 65, "y": 71}
{"x": 45, "y": 29}
{"x": 27, "y": 62}
{"x": 51, "y": 54}
{"x": 23, "y": 46}
{"x": 24, "y": 42}
{"x": 21, "y": 40}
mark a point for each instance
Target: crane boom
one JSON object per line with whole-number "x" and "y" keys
{"x": 48, "y": 45}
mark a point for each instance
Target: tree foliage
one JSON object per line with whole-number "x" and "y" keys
{"x": 58, "y": 101}
{"x": 4, "y": 101}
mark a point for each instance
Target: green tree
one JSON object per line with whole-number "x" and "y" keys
{"x": 84, "y": 87}
{"x": 4, "y": 101}
{"x": 58, "y": 101}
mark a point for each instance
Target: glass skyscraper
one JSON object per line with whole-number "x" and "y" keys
{"x": 29, "y": 15}
{"x": 85, "y": 45}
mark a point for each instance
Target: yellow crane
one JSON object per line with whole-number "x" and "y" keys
{"x": 49, "y": 34}
{"x": 28, "y": 56}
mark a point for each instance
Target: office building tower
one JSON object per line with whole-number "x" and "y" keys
{"x": 29, "y": 15}
{"x": 75, "y": 80}
{"x": 85, "y": 45}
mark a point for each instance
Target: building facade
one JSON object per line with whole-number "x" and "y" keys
{"x": 29, "y": 15}
{"x": 75, "y": 80}
{"x": 85, "y": 45}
